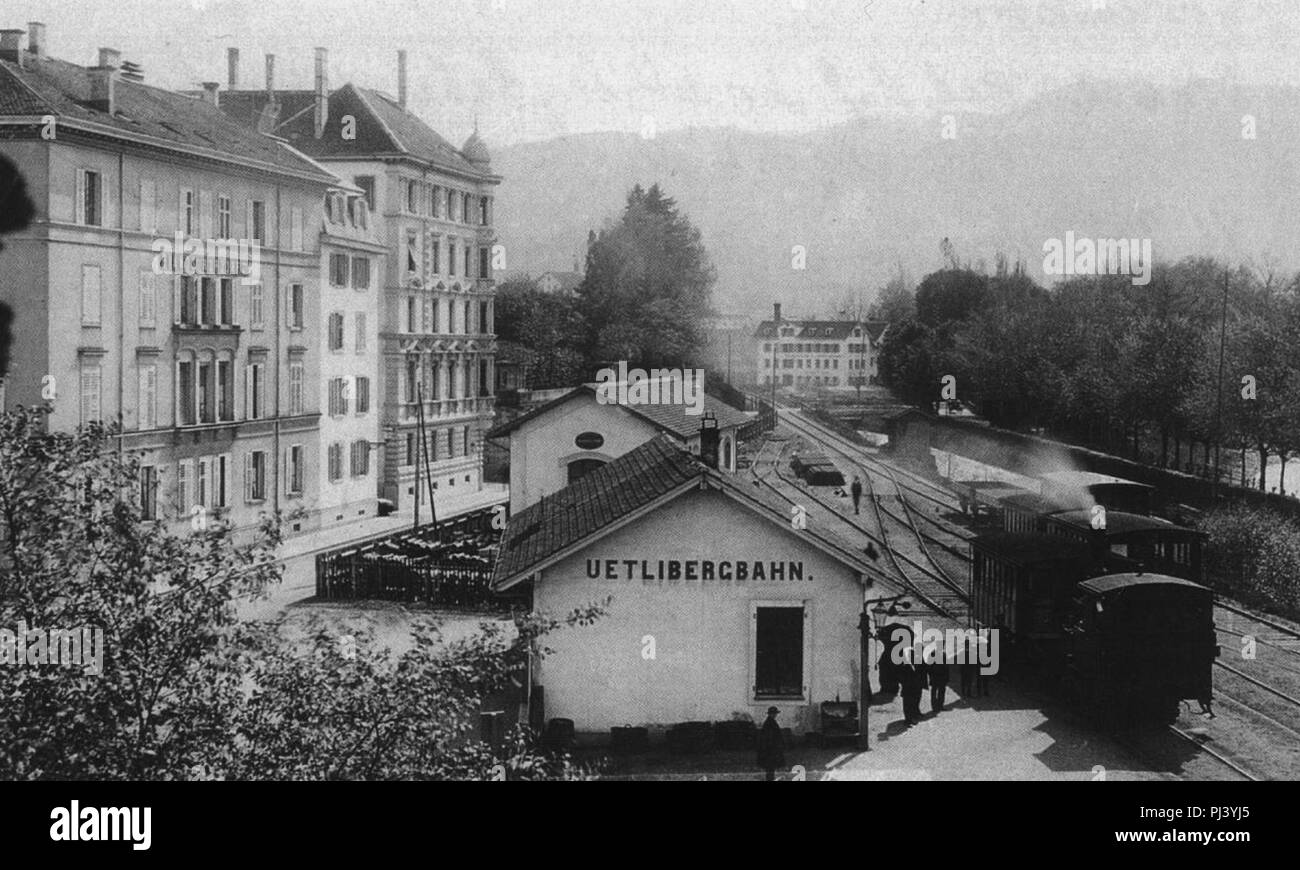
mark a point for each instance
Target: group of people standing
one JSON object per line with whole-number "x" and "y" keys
{"x": 913, "y": 678}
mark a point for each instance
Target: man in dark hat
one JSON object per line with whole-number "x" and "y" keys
{"x": 938, "y": 673}
{"x": 856, "y": 491}
{"x": 912, "y": 678}
{"x": 771, "y": 745}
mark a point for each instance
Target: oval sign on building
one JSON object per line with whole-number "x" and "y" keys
{"x": 590, "y": 440}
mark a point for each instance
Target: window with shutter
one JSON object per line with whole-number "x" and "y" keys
{"x": 184, "y": 485}
{"x": 90, "y": 394}
{"x": 297, "y": 302}
{"x": 205, "y": 214}
{"x": 91, "y": 293}
{"x": 148, "y": 298}
{"x": 255, "y": 307}
{"x": 360, "y": 318}
{"x": 148, "y": 206}
{"x": 148, "y": 403}
{"x": 185, "y": 212}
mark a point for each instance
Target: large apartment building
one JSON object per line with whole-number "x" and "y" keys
{"x": 817, "y": 354}
{"x": 210, "y": 370}
{"x": 432, "y": 210}
{"x": 351, "y": 263}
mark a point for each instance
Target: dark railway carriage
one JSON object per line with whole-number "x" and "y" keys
{"x": 1027, "y": 512}
{"x": 1023, "y": 583}
{"x": 1130, "y": 542}
{"x": 984, "y": 498}
{"x": 1082, "y": 489}
{"x": 1139, "y": 644}
{"x": 816, "y": 469}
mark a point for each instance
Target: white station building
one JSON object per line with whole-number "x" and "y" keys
{"x": 719, "y": 607}
{"x": 557, "y": 443}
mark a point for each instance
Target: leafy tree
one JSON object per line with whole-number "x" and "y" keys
{"x": 185, "y": 689}
{"x": 895, "y": 301}
{"x": 647, "y": 286}
{"x": 950, "y": 295}
{"x": 547, "y": 323}
{"x": 77, "y": 553}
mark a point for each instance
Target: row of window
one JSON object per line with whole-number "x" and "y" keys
{"x": 358, "y": 270}
{"x": 343, "y": 209}
{"x": 424, "y": 382}
{"x": 338, "y": 398}
{"x": 813, "y": 380}
{"x": 812, "y": 363}
{"x": 200, "y": 213}
{"x": 206, "y": 481}
{"x": 423, "y": 316}
{"x": 337, "y": 339}
{"x": 435, "y": 201}
{"x": 205, "y": 392}
{"x": 466, "y": 252}
{"x": 801, "y": 347}
{"x": 439, "y": 444}
{"x": 200, "y": 301}
{"x": 359, "y": 459}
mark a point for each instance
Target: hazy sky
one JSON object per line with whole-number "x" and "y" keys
{"x": 535, "y": 69}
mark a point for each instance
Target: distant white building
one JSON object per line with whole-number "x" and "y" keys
{"x": 818, "y": 353}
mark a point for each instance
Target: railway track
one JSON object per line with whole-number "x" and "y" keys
{"x": 837, "y": 442}
{"x": 1221, "y": 757}
{"x": 933, "y": 589}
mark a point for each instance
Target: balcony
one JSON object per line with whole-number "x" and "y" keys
{"x": 443, "y": 409}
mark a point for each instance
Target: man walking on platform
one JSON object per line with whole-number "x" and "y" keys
{"x": 856, "y": 491}
{"x": 938, "y": 673}
{"x": 912, "y": 677}
{"x": 771, "y": 745}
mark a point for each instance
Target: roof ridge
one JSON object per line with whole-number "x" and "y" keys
{"x": 365, "y": 101}
{"x": 50, "y": 110}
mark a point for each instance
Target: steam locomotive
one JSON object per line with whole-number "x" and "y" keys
{"x": 1098, "y": 598}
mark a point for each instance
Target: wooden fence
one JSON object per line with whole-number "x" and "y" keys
{"x": 448, "y": 565}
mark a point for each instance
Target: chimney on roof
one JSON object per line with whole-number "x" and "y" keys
{"x": 109, "y": 58}
{"x": 232, "y": 68}
{"x": 709, "y": 439}
{"x": 103, "y": 89}
{"x": 270, "y": 77}
{"x": 401, "y": 77}
{"x": 11, "y": 42}
{"x": 322, "y": 114}
{"x": 36, "y": 39}
{"x": 776, "y": 312}
{"x": 211, "y": 93}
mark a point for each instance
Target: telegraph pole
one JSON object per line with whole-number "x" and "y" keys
{"x": 776, "y": 344}
{"x": 1218, "y": 413}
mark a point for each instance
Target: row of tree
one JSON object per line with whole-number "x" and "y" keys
{"x": 643, "y": 298}
{"x": 1124, "y": 367}
{"x": 185, "y": 689}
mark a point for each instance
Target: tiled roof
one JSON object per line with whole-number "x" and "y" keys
{"x": 48, "y": 86}
{"x": 825, "y": 330}
{"x": 668, "y": 418}
{"x": 383, "y": 127}
{"x": 601, "y": 497}
{"x": 620, "y": 488}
